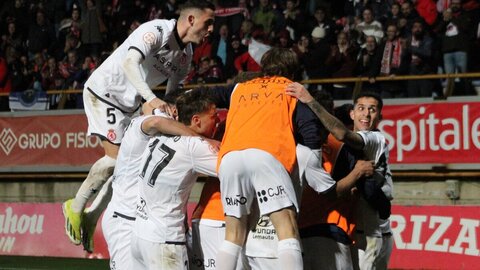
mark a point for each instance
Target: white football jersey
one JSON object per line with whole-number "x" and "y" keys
{"x": 164, "y": 58}
{"x": 125, "y": 190}
{"x": 376, "y": 149}
{"x": 170, "y": 167}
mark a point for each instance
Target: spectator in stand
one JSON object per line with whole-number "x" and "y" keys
{"x": 36, "y": 69}
{"x": 320, "y": 19}
{"x": 455, "y": 31}
{"x": 12, "y": 39}
{"x": 69, "y": 26}
{"x": 394, "y": 61}
{"x": 72, "y": 42}
{"x": 341, "y": 63}
{"x": 69, "y": 67}
{"x": 367, "y": 62}
{"x": 294, "y": 19}
{"x": 301, "y": 46}
{"x": 410, "y": 15}
{"x": 246, "y": 62}
{"x": 314, "y": 57}
{"x": 92, "y": 27}
{"x": 392, "y": 16}
{"x": 50, "y": 72}
{"x": 369, "y": 26}
{"x": 454, "y": 34}
{"x": 267, "y": 17}
{"x": 202, "y": 72}
{"x": 222, "y": 48}
{"x": 246, "y": 31}
{"x": 5, "y": 83}
{"x": 283, "y": 40}
{"x": 41, "y": 35}
{"x": 420, "y": 46}
{"x": 237, "y": 48}
{"x": 20, "y": 72}
{"x": 15, "y": 11}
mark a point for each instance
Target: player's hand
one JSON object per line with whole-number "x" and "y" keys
{"x": 162, "y": 106}
{"x": 298, "y": 91}
{"x": 364, "y": 167}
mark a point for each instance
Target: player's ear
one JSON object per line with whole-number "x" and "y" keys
{"x": 196, "y": 120}
{"x": 191, "y": 19}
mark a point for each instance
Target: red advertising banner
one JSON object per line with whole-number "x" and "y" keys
{"x": 446, "y": 132}
{"x": 54, "y": 140}
{"x": 37, "y": 229}
{"x": 426, "y": 133}
{"x": 426, "y": 237}
{"x": 435, "y": 237}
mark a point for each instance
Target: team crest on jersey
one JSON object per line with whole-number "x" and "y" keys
{"x": 111, "y": 135}
{"x": 149, "y": 38}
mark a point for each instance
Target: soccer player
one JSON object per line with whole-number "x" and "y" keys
{"x": 372, "y": 224}
{"x": 170, "y": 167}
{"x": 156, "y": 51}
{"x": 119, "y": 217}
{"x": 327, "y": 189}
{"x": 257, "y": 154}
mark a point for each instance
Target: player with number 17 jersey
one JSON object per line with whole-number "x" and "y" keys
{"x": 169, "y": 170}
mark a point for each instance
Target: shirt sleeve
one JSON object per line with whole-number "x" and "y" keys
{"x": 311, "y": 169}
{"x": 308, "y": 128}
{"x": 204, "y": 156}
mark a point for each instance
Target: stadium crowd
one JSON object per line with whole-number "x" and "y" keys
{"x": 56, "y": 44}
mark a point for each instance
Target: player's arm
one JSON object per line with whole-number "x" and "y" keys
{"x": 362, "y": 168}
{"x": 131, "y": 66}
{"x": 333, "y": 125}
{"x": 158, "y": 124}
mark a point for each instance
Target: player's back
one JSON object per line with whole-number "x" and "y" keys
{"x": 125, "y": 180}
{"x": 169, "y": 169}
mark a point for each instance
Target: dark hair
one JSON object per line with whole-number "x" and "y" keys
{"x": 198, "y": 4}
{"x": 369, "y": 94}
{"x": 171, "y": 97}
{"x": 192, "y": 102}
{"x": 280, "y": 62}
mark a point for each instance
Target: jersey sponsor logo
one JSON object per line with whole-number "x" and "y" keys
{"x": 237, "y": 200}
{"x": 111, "y": 135}
{"x": 271, "y": 193}
{"x": 159, "y": 29}
{"x": 260, "y": 98}
{"x": 264, "y": 229}
{"x": 149, "y": 38}
{"x": 164, "y": 65}
{"x": 207, "y": 262}
{"x": 141, "y": 212}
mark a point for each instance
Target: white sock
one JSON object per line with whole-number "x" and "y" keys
{"x": 100, "y": 203}
{"x": 227, "y": 255}
{"x": 101, "y": 170}
{"x": 290, "y": 254}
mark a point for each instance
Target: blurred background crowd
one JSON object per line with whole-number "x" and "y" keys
{"x": 56, "y": 44}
